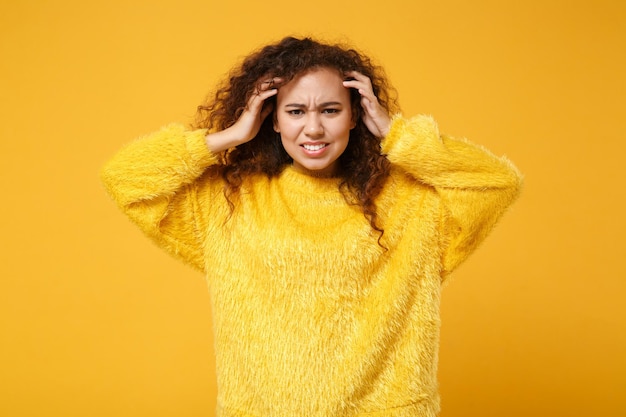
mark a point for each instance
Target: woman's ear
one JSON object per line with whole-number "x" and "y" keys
{"x": 275, "y": 122}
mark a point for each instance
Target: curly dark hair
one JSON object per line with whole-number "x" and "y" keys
{"x": 364, "y": 169}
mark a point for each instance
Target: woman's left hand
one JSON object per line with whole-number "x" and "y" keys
{"x": 375, "y": 116}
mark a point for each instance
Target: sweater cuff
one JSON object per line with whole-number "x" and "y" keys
{"x": 421, "y": 126}
{"x": 198, "y": 150}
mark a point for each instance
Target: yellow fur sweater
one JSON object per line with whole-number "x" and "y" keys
{"x": 311, "y": 316}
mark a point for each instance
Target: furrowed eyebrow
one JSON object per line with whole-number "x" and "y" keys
{"x": 302, "y": 106}
{"x": 330, "y": 103}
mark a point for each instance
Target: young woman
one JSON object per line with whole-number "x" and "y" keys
{"x": 325, "y": 224}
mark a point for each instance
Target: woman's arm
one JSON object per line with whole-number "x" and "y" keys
{"x": 475, "y": 186}
{"x": 152, "y": 180}
{"x": 155, "y": 180}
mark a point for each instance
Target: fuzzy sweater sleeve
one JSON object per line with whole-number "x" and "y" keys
{"x": 475, "y": 186}
{"x": 153, "y": 181}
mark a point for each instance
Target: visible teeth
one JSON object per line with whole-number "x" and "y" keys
{"x": 313, "y": 147}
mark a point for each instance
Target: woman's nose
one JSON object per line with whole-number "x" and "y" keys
{"x": 314, "y": 126}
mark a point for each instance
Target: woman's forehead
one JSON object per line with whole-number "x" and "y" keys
{"x": 318, "y": 82}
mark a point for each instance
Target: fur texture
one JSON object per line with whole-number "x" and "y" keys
{"x": 311, "y": 316}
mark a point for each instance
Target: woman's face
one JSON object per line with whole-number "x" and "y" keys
{"x": 314, "y": 118}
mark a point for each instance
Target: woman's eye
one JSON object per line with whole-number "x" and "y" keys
{"x": 296, "y": 112}
{"x": 330, "y": 111}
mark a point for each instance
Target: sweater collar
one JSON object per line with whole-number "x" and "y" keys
{"x": 300, "y": 181}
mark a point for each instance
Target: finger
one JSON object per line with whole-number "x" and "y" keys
{"x": 364, "y": 90}
{"x": 358, "y": 81}
{"x": 357, "y": 76}
{"x": 260, "y": 96}
{"x": 257, "y": 99}
{"x": 270, "y": 83}
{"x": 366, "y": 103}
{"x": 361, "y": 87}
{"x": 370, "y": 107}
{"x": 267, "y": 84}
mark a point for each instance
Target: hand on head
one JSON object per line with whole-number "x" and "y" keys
{"x": 375, "y": 116}
{"x": 247, "y": 126}
{"x": 249, "y": 122}
{"x": 255, "y": 112}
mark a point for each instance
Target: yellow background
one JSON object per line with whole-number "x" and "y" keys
{"x": 96, "y": 321}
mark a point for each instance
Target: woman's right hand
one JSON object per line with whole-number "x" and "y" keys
{"x": 249, "y": 123}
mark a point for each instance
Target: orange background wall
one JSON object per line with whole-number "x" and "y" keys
{"x": 95, "y": 321}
